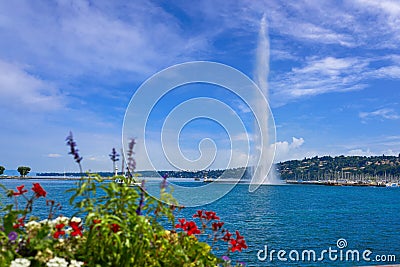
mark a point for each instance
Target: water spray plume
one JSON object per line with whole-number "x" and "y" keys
{"x": 262, "y": 173}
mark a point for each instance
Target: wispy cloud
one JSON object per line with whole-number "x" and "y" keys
{"x": 386, "y": 18}
{"x": 23, "y": 91}
{"x": 54, "y": 155}
{"x": 65, "y": 67}
{"x": 359, "y": 152}
{"x": 82, "y": 38}
{"x": 347, "y": 25}
{"x": 367, "y": 146}
{"x": 319, "y": 76}
{"x": 388, "y": 72}
{"x": 384, "y": 113}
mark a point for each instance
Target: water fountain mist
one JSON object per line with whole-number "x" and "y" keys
{"x": 262, "y": 174}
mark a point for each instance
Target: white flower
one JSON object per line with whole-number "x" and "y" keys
{"x": 68, "y": 230}
{"x": 75, "y": 263}
{"x": 76, "y": 219}
{"x": 57, "y": 262}
{"x": 46, "y": 222}
{"x": 61, "y": 220}
{"x": 20, "y": 263}
{"x": 32, "y": 225}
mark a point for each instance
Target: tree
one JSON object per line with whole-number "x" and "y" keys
{"x": 114, "y": 158}
{"x": 2, "y": 170}
{"x": 23, "y": 170}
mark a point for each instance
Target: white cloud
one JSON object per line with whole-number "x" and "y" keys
{"x": 54, "y": 155}
{"x": 81, "y": 38}
{"x": 319, "y": 76}
{"x": 330, "y": 74}
{"x": 391, "y": 72}
{"x": 281, "y": 54}
{"x": 370, "y": 146}
{"x": 21, "y": 90}
{"x": 71, "y": 42}
{"x": 367, "y": 152}
{"x": 359, "y": 152}
{"x": 330, "y": 66}
{"x": 285, "y": 150}
{"x": 384, "y": 113}
{"x": 388, "y": 9}
{"x": 243, "y": 137}
{"x": 315, "y": 33}
{"x": 390, "y": 152}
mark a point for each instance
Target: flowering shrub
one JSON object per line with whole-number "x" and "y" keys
{"x": 123, "y": 227}
{"x": 120, "y": 226}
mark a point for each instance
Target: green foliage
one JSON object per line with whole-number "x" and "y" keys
{"x": 121, "y": 226}
{"x": 140, "y": 239}
{"x": 2, "y": 169}
{"x": 23, "y": 170}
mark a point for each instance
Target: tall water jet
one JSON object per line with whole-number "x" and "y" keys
{"x": 262, "y": 58}
{"x": 262, "y": 172}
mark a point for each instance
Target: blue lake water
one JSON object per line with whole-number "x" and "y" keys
{"x": 294, "y": 218}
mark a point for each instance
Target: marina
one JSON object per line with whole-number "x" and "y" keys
{"x": 344, "y": 183}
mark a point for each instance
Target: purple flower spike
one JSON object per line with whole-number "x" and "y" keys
{"x": 12, "y": 236}
{"x": 74, "y": 152}
{"x": 141, "y": 201}
{"x": 164, "y": 181}
{"x": 226, "y": 258}
{"x": 131, "y": 161}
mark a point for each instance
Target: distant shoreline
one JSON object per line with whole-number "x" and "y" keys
{"x": 345, "y": 183}
{"x": 222, "y": 181}
{"x": 46, "y": 178}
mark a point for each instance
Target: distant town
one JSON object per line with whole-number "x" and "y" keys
{"x": 350, "y": 168}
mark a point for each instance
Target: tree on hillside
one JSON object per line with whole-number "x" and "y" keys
{"x": 2, "y": 170}
{"x": 23, "y": 170}
{"x": 114, "y": 156}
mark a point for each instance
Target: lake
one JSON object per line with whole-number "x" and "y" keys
{"x": 296, "y": 219}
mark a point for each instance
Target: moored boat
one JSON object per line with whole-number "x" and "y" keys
{"x": 133, "y": 182}
{"x": 207, "y": 179}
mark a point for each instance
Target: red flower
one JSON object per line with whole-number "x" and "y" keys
{"x": 199, "y": 214}
{"x": 238, "y": 236}
{"x": 211, "y": 215}
{"x": 21, "y": 190}
{"x": 217, "y": 225}
{"x": 20, "y": 223}
{"x": 39, "y": 191}
{"x": 77, "y": 229}
{"x": 227, "y": 236}
{"x": 96, "y": 221}
{"x": 59, "y": 231}
{"x": 115, "y": 227}
{"x": 182, "y": 224}
{"x": 239, "y": 243}
{"x": 191, "y": 228}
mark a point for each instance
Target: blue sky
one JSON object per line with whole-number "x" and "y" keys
{"x": 74, "y": 65}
